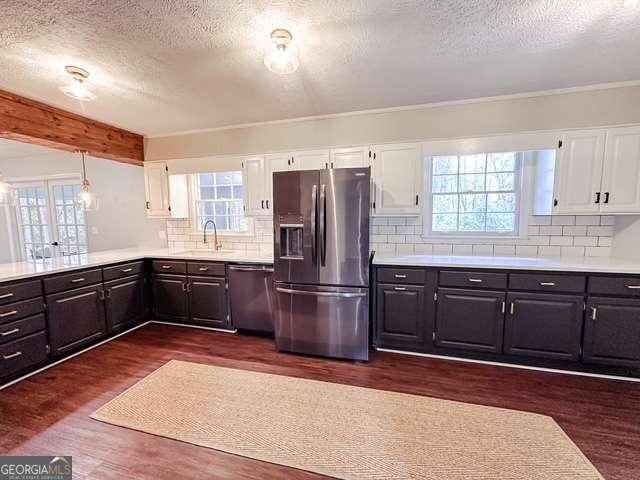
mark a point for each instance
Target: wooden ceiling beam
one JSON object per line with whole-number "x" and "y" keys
{"x": 34, "y": 122}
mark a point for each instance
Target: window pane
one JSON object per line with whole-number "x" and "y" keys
{"x": 445, "y": 183}
{"x": 473, "y": 203}
{"x": 472, "y": 163}
{"x": 471, "y": 222}
{"x": 497, "y": 182}
{"x": 207, "y": 193}
{"x": 237, "y": 178}
{"x": 445, "y": 165}
{"x": 238, "y": 191}
{"x": 223, "y": 192}
{"x": 501, "y": 222}
{"x": 221, "y": 200}
{"x": 444, "y": 222}
{"x": 501, "y": 202}
{"x": 206, "y": 179}
{"x": 224, "y": 178}
{"x": 445, "y": 203}
{"x": 501, "y": 162}
{"x": 472, "y": 183}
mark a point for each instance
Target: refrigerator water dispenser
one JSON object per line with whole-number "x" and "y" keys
{"x": 291, "y": 241}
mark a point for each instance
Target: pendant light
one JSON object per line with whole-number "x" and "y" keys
{"x": 77, "y": 89}
{"x": 7, "y": 193}
{"x": 86, "y": 198}
{"x": 281, "y": 55}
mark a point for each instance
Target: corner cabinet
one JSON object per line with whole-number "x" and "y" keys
{"x": 156, "y": 186}
{"x": 397, "y": 179}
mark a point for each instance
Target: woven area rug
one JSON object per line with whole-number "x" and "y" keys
{"x": 344, "y": 431}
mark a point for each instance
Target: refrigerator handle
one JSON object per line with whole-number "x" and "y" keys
{"x": 323, "y": 225}
{"x": 314, "y": 212}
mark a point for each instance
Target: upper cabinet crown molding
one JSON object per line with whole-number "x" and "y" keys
{"x": 34, "y": 122}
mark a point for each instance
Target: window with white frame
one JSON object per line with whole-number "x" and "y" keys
{"x": 474, "y": 195}
{"x": 219, "y": 197}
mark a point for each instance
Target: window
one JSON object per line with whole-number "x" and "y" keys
{"x": 219, "y": 197}
{"x": 51, "y": 223}
{"x": 474, "y": 194}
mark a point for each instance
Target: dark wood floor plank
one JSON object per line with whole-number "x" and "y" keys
{"x": 49, "y": 413}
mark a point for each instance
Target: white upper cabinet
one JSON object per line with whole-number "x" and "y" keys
{"x": 621, "y": 174}
{"x": 579, "y": 172}
{"x": 310, "y": 160}
{"x": 274, "y": 162}
{"x": 397, "y": 179}
{"x": 156, "y": 182}
{"x": 354, "y": 157}
{"x": 253, "y": 179}
{"x": 179, "y": 196}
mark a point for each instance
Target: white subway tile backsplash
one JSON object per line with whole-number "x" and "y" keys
{"x": 533, "y": 230}
{"x": 463, "y": 249}
{"x": 404, "y": 230}
{"x": 486, "y": 250}
{"x": 396, "y": 239}
{"x": 424, "y": 249}
{"x": 600, "y": 231}
{"x": 563, "y": 220}
{"x": 588, "y": 220}
{"x": 607, "y": 220}
{"x": 585, "y": 241}
{"x": 605, "y": 241}
{"x": 526, "y": 251}
{"x": 504, "y": 250}
{"x": 397, "y": 221}
{"x": 379, "y": 221}
{"x": 442, "y": 249}
{"x": 405, "y": 249}
{"x": 572, "y": 251}
{"x": 580, "y": 231}
{"x": 549, "y": 251}
{"x": 551, "y": 230}
{"x": 597, "y": 251}
{"x": 540, "y": 220}
{"x": 561, "y": 241}
{"x": 377, "y": 238}
{"x": 384, "y": 230}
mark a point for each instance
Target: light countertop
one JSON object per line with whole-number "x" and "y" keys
{"x": 21, "y": 270}
{"x": 560, "y": 264}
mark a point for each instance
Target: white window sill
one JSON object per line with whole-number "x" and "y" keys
{"x": 474, "y": 238}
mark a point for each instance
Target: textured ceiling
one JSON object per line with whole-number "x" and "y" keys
{"x": 164, "y": 66}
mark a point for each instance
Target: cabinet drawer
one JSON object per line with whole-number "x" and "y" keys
{"x": 166, "y": 266}
{"x": 23, "y": 353}
{"x": 401, "y": 275}
{"x": 13, "y": 292}
{"x": 20, "y": 328}
{"x": 18, "y": 310}
{"x": 60, "y": 283}
{"x": 124, "y": 270}
{"x": 542, "y": 282}
{"x": 620, "y": 286}
{"x": 449, "y": 278}
{"x": 206, "y": 268}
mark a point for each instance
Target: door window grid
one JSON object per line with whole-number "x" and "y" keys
{"x": 475, "y": 194}
{"x": 33, "y": 219}
{"x": 220, "y": 198}
{"x": 72, "y": 234}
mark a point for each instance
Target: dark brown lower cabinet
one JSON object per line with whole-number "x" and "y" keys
{"x": 22, "y": 354}
{"x": 208, "y": 301}
{"x": 170, "y": 298}
{"x": 544, "y": 325}
{"x": 470, "y": 319}
{"x": 401, "y": 316}
{"x": 76, "y": 318}
{"x": 125, "y": 302}
{"x": 612, "y": 332}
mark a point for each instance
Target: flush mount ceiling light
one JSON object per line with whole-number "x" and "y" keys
{"x": 281, "y": 55}
{"x": 631, "y": 3}
{"x": 86, "y": 198}
{"x": 7, "y": 193}
{"x": 77, "y": 89}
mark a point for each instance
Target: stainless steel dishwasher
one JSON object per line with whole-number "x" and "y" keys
{"x": 251, "y": 294}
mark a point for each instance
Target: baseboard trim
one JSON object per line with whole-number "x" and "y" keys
{"x": 201, "y": 327}
{"x": 512, "y": 365}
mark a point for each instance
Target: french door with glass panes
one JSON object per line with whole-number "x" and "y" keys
{"x": 51, "y": 222}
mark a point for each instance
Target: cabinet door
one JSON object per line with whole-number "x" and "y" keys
{"x": 470, "y": 319}
{"x": 75, "y": 318}
{"x": 612, "y": 332}
{"x": 208, "y": 302}
{"x": 621, "y": 174}
{"x": 156, "y": 181}
{"x": 170, "y": 297}
{"x": 397, "y": 179}
{"x": 125, "y": 302}
{"x": 400, "y": 316}
{"x": 310, "y": 160}
{"x": 544, "y": 325}
{"x": 579, "y": 172}
{"x": 255, "y": 195}
{"x": 355, "y": 157}
{"x": 275, "y": 162}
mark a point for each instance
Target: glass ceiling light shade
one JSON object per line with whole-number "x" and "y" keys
{"x": 86, "y": 198}
{"x": 7, "y": 193}
{"x": 77, "y": 88}
{"x": 281, "y": 55}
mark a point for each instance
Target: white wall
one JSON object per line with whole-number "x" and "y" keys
{"x": 121, "y": 220}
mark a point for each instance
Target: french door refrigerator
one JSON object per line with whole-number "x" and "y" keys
{"x": 321, "y": 261}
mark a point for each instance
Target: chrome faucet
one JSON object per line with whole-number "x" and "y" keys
{"x": 216, "y": 245}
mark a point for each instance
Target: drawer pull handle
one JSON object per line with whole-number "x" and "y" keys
{"x": 6, "y": 295}
{"x": 127, "y": 270}
{"x": 77, "y": 280}
{"x": 512, "y": 308}
{"x": 633, "y": 287}
{"x": 475, "y": 280}
{"x": 401, "y": 289}
{"x": 167, "y": 267}
{"x": 397, "y": 275}
{"x": 13, "y": 355}
{"x": 9, "y": 314}
{"x": 547, "y": 284}
{"x": 203, "y": 269}
{"x": 10, "y": 332}
{"x": 594, "y": 313}
{"x": 504, "y": 307}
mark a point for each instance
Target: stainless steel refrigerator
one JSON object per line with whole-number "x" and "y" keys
{"x": 321, "y": 261}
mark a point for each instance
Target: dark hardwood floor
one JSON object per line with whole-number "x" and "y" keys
{"x": 49, "y": 413}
